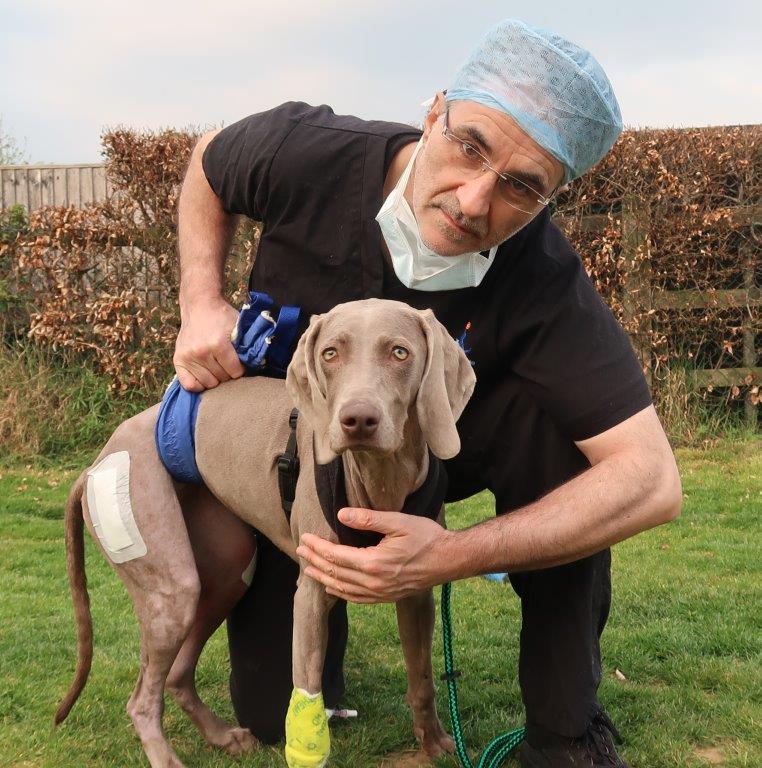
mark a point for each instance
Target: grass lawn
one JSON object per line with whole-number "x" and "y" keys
{"x": 685, "y": 633}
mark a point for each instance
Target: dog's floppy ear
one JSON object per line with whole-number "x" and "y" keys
{"x": 305, "y": 390}
{"x": 446, "y": 385}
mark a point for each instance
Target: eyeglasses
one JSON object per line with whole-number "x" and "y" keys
{"x": 467, "y": 158}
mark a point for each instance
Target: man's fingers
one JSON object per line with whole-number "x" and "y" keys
{"x": 333, "y": 575}
{"x": 336, "y": 554}
{"x": 363, "y": 596}
{"x": 209, "y": 363}
{"x": 332, "y": 584}
{"x": 201, "y": 362}
{"x": 229, "y": 361}
{"x": 198, "y": 374}
{"x": 354, "y": 598}
{"x": 188, "y": 381}
{"x": 205, "y": 376}
{"x": 352, "y": 592}
{"x": 373, "y": 520}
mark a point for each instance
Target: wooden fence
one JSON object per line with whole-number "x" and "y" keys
{"x": 640, "y": 297}
{"x": 35, "y": 186}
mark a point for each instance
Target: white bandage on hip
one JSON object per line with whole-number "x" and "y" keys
{"x": 108, "y": 501}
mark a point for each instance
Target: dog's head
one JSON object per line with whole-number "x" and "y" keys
{"x": 363, "y": 369}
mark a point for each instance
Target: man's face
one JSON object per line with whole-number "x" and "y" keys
{"x": 460, "y": 213}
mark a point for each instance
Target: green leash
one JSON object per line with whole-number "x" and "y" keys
{"x": 501, "y": 746}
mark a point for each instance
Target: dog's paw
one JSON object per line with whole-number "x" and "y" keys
{"x": 434, "y": 739}
{"x": 239, "y": 741}
{"x": 308, "y": 739}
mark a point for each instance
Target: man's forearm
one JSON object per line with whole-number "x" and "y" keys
{"x": 205, "y": 232}
{"x": 609, "y": 502}
{"x": 204, "y": 356}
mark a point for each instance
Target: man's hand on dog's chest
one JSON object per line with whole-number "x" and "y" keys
{"x": 407, "y": 560}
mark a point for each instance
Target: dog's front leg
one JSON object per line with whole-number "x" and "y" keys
{"x": 415, "y": 618}
{"x": 307, "y": 738}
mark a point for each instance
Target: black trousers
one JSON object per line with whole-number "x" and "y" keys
{"x": 564, "y": 611}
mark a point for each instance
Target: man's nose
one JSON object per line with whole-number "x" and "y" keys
{"x": 359, "y": 420}
{"x": 475, "y": 195}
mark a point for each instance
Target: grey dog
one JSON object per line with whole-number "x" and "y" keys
{"x": 375, "y": 382}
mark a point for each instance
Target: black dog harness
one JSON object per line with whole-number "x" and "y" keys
{"x": 329, "y": 481}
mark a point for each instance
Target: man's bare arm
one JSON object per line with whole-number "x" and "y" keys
{"x": 632, "y": 485}
{"x": 204, "y": 355}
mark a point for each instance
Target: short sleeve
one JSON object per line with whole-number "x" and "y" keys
{"x": 573, "y": 356}
{"x": 237, "y": 160}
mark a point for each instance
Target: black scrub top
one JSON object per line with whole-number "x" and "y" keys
{"x": 553, "y": 365}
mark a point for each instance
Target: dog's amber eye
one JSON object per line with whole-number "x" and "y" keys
{"x": 400, "y": 353}
{"x": 329, "y": 353}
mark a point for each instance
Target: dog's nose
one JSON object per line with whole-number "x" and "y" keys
{"x": 359, "y": 420}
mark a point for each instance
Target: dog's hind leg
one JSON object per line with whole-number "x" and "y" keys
{"x": 415, "y": 618}
{"x": 164, "y": 620}
{"x": 162, "y": 579}
{"x": 225, "y": 551}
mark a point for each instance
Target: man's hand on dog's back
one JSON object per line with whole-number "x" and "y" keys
{"x": 204, "y": 355}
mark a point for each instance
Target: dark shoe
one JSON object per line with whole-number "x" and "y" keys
{"x": 594, "y": 749}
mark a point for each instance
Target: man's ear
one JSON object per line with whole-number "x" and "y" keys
{"x": 306, "y": 392}
{"x": 446, "y": 385}
{"x": 436, "y": 110}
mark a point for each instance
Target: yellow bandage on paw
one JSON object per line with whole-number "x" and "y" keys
{"x": 308, "y": 741}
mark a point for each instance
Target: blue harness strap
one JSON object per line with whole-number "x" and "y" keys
{"x": 254, "y": 331}
{"x": 263, "y": 346}
{"x": 283, "y": 339}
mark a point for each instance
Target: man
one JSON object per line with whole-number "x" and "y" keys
{"x": 560, "y": 428}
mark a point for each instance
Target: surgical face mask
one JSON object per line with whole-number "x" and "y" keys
{"x": 414, "y": 263}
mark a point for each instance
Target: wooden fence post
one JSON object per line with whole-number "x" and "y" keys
{"x": 749, "y": 330}
{"x": 637, "y": 299}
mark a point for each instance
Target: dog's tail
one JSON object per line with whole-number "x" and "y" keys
{"x": 75, "y": 562}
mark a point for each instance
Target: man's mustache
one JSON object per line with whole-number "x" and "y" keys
{"x": 476, "y": 227}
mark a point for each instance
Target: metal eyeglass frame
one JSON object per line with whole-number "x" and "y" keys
{"x": 506, "y": 177}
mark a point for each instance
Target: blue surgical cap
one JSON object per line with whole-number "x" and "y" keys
{"x": 555, "y": 90}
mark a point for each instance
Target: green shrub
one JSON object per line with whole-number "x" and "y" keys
{"x": 58, "y": 407}
{"x": 694, "y": 416}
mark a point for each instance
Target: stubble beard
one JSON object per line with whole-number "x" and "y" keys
{"x": 478, "y": 229}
